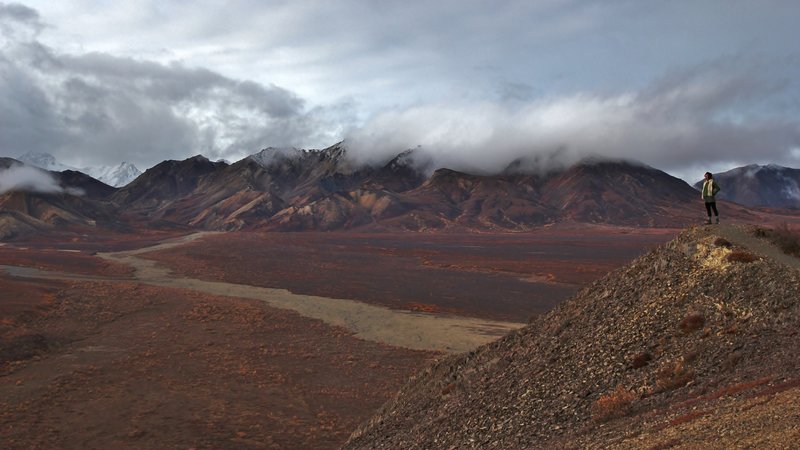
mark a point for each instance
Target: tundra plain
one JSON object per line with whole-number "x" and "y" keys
{"x": 196, "y": 369}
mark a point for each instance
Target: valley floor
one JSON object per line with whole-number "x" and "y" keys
{"x": 95, "y": 357}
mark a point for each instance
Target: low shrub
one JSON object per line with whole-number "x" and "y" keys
{"x": 741, "y": 257}
{"x": 673, "y": 375}
{"x": 722, "y": 242}
{"x": 641, "y": 360}
{"x": 616, "y": 403}
{"x": 692, "y": 322}
{"x": 787, "y": 239}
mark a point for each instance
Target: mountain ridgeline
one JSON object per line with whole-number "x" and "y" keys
{"x": 296, "y": 190}
{"x": 299, "y": 190}
{"x": 755, "y": 185}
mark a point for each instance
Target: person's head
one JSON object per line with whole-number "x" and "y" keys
{"x": 708, "y": 176}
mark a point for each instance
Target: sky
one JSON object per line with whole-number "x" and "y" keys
{"x": 685, "y": 86}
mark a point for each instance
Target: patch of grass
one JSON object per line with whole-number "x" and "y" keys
{"x": 616, "y": 403}
{"x": 741, "y": 257}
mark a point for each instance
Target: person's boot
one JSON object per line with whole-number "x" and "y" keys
{"x": 708, "y": 222}
{"x": 717, "y": 219}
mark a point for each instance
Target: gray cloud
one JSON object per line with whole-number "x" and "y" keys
{"x": 26, "y": 178}
{"x": 688, "y": 120}
{"x": 475, "y": 83}
{"x": 95, "y": 108}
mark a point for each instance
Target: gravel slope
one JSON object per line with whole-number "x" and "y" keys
{"x": 687, "y": 332}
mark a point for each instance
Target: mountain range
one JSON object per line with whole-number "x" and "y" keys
{"x": 290, "y": 189}
{"x": 757, "y": 185}
{"x": 116, "y": 176}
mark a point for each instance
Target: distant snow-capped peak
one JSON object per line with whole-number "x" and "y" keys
{"x": 116, "y": 176}
{"x": 269, "y": 155}
{"x": 44, "y": 161}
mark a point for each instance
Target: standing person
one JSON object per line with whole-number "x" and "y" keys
{"x": 710, "y": 189}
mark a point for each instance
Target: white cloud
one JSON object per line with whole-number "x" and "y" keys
{"x": 679, "y": 122}
{"x": 26, "y": 178}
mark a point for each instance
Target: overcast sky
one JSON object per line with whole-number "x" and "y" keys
{"x": 685, "y": 86}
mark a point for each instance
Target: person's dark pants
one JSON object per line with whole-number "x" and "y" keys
{"x": 712, "y": 206}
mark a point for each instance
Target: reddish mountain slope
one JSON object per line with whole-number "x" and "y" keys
{"x": 754, "y": 185}
{"x": 297, "y": 190}
{"x": 290, "y": 189}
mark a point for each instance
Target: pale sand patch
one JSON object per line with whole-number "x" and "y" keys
{"x": 414, "y": 330}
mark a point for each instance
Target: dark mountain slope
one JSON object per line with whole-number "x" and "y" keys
{"x": 76, "y": 204}
{"x": 621, "y": 192}
{"x": 32, "y": 211}
{"x": 165, "y": 182}
{"x": 754, "y": 185}
{"x": 83, "y": 184}
{"x": 5, "y": 163}
{"x": 687, "y": 329}
{"x": 297, "y": 190}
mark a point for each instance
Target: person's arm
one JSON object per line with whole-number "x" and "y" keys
{"x": 715, "y": 188}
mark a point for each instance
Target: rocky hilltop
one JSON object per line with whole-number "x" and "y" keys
{"x": 695, "y": 343}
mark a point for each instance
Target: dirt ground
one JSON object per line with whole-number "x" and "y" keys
{"x": 104, "y": 365}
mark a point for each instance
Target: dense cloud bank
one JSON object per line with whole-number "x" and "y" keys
{"x": 474, "y": 86}
{"x": 96, "y": 108}
{"x": 693, "y": 119}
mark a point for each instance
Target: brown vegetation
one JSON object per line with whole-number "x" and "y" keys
{"x": 451, "y": 273}
{"x": 614, "y": 404}
{"x": 784, "y": 237}
{"x": 673, "y": 374}
{"x": 741, "y": 256}
{"x": 722, "y": 242}
{"x": 692, "y": 322}
{"x": 641, "y": 360}
{"x": 120, "y": 365}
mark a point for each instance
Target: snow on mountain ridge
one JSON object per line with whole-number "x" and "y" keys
{"x": 269, "y": 155}
{"x": 116, "y": 176}
{"x": 44, "y": 161}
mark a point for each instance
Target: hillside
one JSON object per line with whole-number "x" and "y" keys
{"x": 29, "y": 212}
{"x": 692, "y": 341}
{"x": 300, "y": 190}
{"x": 754, "y": 185}
{"x": 288, "y": 189}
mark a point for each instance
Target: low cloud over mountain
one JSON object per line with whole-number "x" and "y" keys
{"x": 27, "y": 178}
{"x": 690, "y": 119}
{"x": 552, "y": 82}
